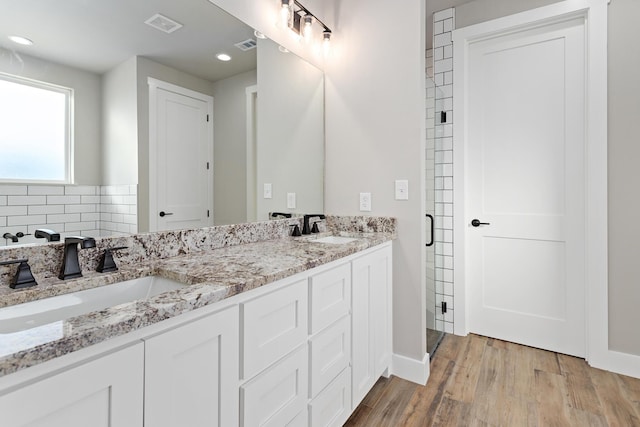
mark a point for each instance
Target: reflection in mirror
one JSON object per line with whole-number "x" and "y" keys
{"x": 267, "y": 113}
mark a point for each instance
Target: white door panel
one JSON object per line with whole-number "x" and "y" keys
{"x": 525, "y": 176}
{"x": 181, "y": 147}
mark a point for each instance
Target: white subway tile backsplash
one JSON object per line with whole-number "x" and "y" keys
{"x": 130, "y": 219}
{"x": 3, "y": 200}
{"x": 443, "y": 66}
{"x": 81, "y": 190}
{"x": 448, "y": 78}
{"x": 447, "y": 183}
{"x": 45, "y": 190}
{"x": 448, "y": 25}
{"x": 448, "y": 262}
{"x": 63, "y": 200}
{"x": 448, "y": 209}
{"x": 13, "y": 210}
{"x": 13, "y": 190}
{"x": 90, "y": 200}
{"x": 75, "y": 217}
{"x": 80, "y": 226}
{"x": 80, "y": 208}
{"x": 45, "y": 209}
{"x": 447, "y": 51}
{"x": 25, "y": 220}
{"x": 26, "y": 200}
{"x": 94, "y": 216}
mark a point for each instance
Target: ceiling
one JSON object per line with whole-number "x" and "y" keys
{"x": 98, "y": 35}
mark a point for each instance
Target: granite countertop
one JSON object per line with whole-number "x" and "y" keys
{"x": 211, "y": 276}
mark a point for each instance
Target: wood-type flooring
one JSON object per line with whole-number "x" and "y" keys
{"x": 479, "y": 381}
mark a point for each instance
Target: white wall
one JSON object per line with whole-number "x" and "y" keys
{"x": 230, "y": 148}
{"x": 120, "y": 125}
{"x": 375, "y": 130}
{"x": 87, "y": 107}
{"x": 624, "y": 175}
{"x": 290, "y": 129}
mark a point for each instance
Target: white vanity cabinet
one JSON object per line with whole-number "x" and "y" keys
{"x": 102, "y": 392}
{"x": 191, "y": 373}
{"x": 371, "y": 320}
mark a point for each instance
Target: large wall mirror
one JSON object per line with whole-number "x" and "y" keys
{"x": 266, "y": 132}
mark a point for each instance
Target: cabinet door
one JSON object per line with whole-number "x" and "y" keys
{"x": 330, "y": 296}
{"x": 333, "y": 406}
{"x": 278, "y": 395}
{"x": 191, "y": 376}
{"x": 371, "y": 320}
{"x": 330, "y": 352}
{"x": 106, "y": 392}
{"x": 273, "y": 325}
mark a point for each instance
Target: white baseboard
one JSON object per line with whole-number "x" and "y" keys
{"x": 620, "y": 363}
{"x": 413, "y": 370}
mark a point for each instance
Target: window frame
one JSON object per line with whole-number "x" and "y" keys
{"x": 69, "y": 128}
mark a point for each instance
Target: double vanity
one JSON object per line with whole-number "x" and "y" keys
{"x": 231, "y": 325}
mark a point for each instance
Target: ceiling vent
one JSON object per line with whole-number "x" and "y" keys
{"x": 162, "y": 23}
{"x": 246, "y": 45}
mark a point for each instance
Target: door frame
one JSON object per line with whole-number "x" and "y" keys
{"x": 154, "y": 85}
{"x": 595, "y": 14}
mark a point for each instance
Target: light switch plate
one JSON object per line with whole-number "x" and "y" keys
{"x": 402, "y": 189}
{"x": 291, "y": 200}
{"x": 267, "y": 191}
{"x": 365, "y": 202}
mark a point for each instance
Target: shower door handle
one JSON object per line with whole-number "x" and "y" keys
{"x": 432, "y": 229}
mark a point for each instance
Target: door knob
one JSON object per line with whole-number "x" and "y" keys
{"x": 477, "y": 223}
{"x": 163, "y": 214}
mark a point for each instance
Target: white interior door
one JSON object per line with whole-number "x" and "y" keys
{"x": 181, "y": 163}
{"x": 524, "y": 156}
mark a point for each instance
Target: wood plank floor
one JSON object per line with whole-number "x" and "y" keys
{"x": 479, "y": 381}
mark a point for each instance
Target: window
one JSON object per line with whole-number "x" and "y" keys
{"x": 35, "y": 131}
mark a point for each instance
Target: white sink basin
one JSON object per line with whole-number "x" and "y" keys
{"x": 40, "y": 312}
{"x": 335, "y": 240}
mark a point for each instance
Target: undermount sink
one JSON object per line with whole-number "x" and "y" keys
{"x": 335, "y": 240}
{"x": 32, "y": 314}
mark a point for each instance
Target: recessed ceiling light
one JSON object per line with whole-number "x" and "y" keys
{"x": 283, "y": 49}
{"x": 223, "y": 57}
{"x": 259, "y": 35}
{"x": 21, "y": 40}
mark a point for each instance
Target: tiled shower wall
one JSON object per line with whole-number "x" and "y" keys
{"x": 68, "y": 209}
{"x": 443, "y": 25}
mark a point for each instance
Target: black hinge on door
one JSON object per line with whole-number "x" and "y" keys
{"x": 207, "y": 165}
{"x": 207, "y": 117}
{"x": 443, "y": 117}
{"x": 207, "y": 213}
{"x": 443, "y": 305}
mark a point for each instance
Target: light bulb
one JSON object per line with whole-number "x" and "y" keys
{"x": 326, "y": 42}
{"x": 307, "y": 29}
{"x": 285, "y": 14}
{"x": 21, "y": 40}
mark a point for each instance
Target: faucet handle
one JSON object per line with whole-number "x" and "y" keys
{"x": 296, "y": 230}
{"x": 107, "y": 263}
{"x": 23, "y": 278}
{"x": 315, "y": 229}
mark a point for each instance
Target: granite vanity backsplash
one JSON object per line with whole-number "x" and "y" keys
{"x": 45, "y": 260}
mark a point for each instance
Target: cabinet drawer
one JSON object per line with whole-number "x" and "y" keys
{"x": 333, "y": 406}
{"x": 273, "y": 325}
{"x": 277, "y": 396}
{"x": 330, "y": 294}
{"x": 330, "y": 353}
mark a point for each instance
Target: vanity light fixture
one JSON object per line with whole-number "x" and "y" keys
{"x": 300, "y": 20}
{"x": 21, "y": 40}
{"x": 223, "y": 57}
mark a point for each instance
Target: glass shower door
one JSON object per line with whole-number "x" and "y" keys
{"x": 434, "y": 330}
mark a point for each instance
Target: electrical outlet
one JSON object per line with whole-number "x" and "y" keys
{"x": 365, "y": 202}
{"x": 267, "y": 191}
{"x": 291, "y": 200}
{"x": 402, "y": 189}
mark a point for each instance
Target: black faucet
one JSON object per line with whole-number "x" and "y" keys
{"x": 13, "y": 237}
{"x": 305, "y": 225}
{"x": 70, "y": 264}
{"x": 48, "y": 234}
{"x": 277, "y": 214}
{"x": 23, "y": 278}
